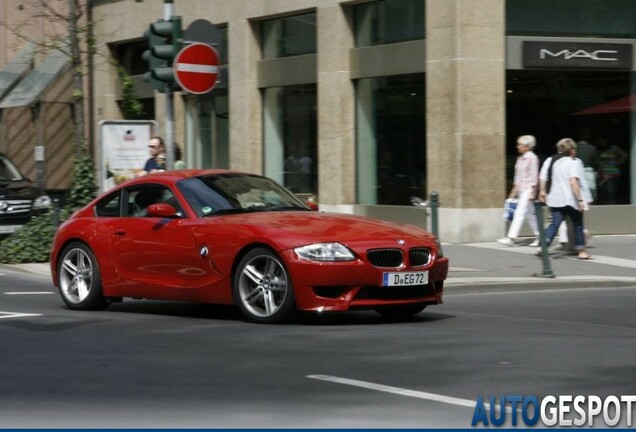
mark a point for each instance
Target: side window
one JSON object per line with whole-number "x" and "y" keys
{"x": 109, "y": 206}
{"x": 141, "y": 197}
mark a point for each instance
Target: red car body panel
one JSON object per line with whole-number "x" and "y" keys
{"x": 160, "y": 258}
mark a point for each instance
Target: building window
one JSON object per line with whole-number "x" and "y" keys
{"x": 212, "y": 136}
{"x": 222, "y": 47}
{"x": 388, "y": 21}
{"x": 591, "y": 104}
{"x": 291, "y": 130}
{"x": 128, "y": 55}
{"x": 391, "y": 139}
{"x": 555, "y": 104}
{"x": 289, "y": 36}
{"x": 585, "y": 18}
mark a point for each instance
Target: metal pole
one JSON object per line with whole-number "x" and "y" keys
{"x": 434, "y": 206}
{"x": 545, "y": 258}
{"x": 169, "y": 128}
{"x": 168, "y": 12}
{"x": 56, "y": 212}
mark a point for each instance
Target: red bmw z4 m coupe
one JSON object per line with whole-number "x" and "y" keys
{"x": 225, "y": 237}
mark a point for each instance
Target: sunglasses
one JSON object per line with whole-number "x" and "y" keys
{"x": 150, "y": 146}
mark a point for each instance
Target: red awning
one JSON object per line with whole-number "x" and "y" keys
{"x": 624, "y": 104}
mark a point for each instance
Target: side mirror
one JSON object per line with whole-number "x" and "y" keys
{"x": 312, "y": 205}
{"x": 161, "y": 210}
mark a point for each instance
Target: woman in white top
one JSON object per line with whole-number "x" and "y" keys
{"x": 587, "y": 196}
{"x": 564, "y": 195}
{"x": 525, "y": 188}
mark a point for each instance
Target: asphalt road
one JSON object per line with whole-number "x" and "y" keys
{"x": 143, "y": 364}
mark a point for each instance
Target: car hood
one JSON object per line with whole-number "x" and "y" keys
{"x": 291, "y": 229}
{"x": 10, "y": 189}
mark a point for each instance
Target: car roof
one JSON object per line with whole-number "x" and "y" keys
{"x": 176, "y": 175}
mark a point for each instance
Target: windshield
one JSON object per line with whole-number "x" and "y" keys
{"x": 237, "y": 193}
{"x": 8, "y": 171}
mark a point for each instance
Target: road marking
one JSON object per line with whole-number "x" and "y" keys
{"x": 28, "y": 292}
{"x": 16, "y": 315}
{"x": 402, "y": 391}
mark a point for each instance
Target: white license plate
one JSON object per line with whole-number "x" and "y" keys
{"x": 405, "y": 278}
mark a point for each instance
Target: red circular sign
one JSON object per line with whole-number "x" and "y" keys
{"x": 196, "y": 68}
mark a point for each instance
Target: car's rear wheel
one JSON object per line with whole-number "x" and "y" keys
{"x": 401, "y": 312}
{"x": 80, "y": 281}
{"x": 262, "y": 288}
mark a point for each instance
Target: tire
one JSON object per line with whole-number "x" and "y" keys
{"x": 401, "y": 312}
{"x": 79, "y": 278}
{"x": 262, "y": 288}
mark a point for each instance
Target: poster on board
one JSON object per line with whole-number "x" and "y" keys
{"x": 124, "y": 145}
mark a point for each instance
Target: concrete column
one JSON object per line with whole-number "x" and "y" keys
{"x": 465, "y": 115}
{"x": 336, "y": 113}
{"x": 246, "y": 131}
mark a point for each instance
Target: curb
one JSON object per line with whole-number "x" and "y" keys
{"x": 40, "y": 269}
{"x": 536, "y": 283}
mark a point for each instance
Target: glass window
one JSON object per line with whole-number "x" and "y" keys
{"x": 590, "y": 106}
{"x": 8, "y": 171}
{"x": 391, "y": 139}
{"x": 213, "y": 131}
{"x": 289, "y": 36}
{"x": 142, "y": 197}
{"x": 222, "y": 48}
{"x": 236, "y": 193}
{"x": 585, "y": 18}
{"x": 109, "y": 206}
{"x": 388, "y": 21}
{"x": 129, "y": 56}
{"x": 290, "y": 126}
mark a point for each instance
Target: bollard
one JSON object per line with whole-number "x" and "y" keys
{"x": 56, "y": 212}
{"x": 434, "y": 207}
{"x": 545, "y": 258}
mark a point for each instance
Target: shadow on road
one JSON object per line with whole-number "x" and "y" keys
{"x": 231, "y": 313}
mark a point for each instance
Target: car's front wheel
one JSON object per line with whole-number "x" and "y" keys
{"x": 80, "y": 280}
{"x": 262, "y": 288}
{"x": 401, "y": 312}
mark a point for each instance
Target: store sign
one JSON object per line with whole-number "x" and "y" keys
{"x": 577, "y": 55}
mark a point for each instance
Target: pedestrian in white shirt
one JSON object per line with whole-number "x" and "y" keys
{"x": 525, "y": 189}
{"x": 560, "y": 189}
{"x": 587, "y": 196}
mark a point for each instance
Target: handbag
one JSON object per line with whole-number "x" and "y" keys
{"x": 510, "y": 205}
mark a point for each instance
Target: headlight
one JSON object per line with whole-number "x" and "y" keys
{"x": 325, "y": 252}
{"x": 42, "y": 202}
{"x": 440, "y": 252}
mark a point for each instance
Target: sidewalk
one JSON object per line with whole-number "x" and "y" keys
{"x": 495, "y": 267}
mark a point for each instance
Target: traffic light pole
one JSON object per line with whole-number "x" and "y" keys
{"x": 169, "y": 141}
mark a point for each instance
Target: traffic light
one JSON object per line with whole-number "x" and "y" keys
{"x": 164, "y": 43}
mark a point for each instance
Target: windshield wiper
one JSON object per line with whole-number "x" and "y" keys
{"x": 227, "y": 211}
{"x": 291, "y": 208}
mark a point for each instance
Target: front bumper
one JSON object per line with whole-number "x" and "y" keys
{"x": 341, "y": 286}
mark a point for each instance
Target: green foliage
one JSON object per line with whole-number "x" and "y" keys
{"x": 131, "y": 107}
{"x": 32, "y": 242}
{"x": 84, "y": 187}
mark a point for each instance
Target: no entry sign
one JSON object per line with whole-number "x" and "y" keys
{"x": 196, "y": 68}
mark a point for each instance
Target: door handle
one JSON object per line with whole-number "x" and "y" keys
{"x": 119, "y": 233}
